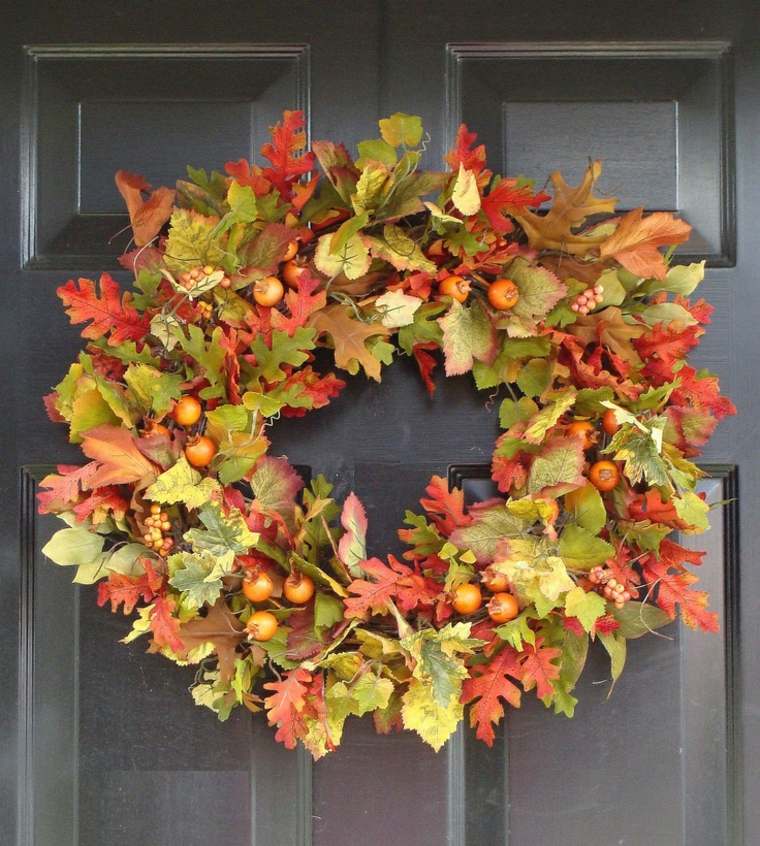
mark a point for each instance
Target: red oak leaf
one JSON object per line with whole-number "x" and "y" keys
{"x": 607, "y": 624}
{"x": 667, "y": 345}
{"x": 99, "y": 503}
{"x": 301, "y": 304}
{"x": 445, "y": 507}
{"x": 414, "y": 591}
{"x": 286, "y": 704}
{"x": 110, "y": 312}
{"x": 426, "y": 363}
{"x": 319, "y": 389}
{"x": 165, "y": 626}
{"x": 674, "y": 589}
{"x": 463, "y": 152}
{"x": 487, "y": 685}
{"x": 63, "y": 488}
{"x": 509, "y": 472}
{"x": 701, "y": 391}
{"x": 245, "y": 174}
{"x": 130, "y": 589}
{"x": 505, "y": 196}
{"x": 147, "y": 216}
{"x": 288, "y": 138}
{"x": 374, "y": 595}
{"x": 538, "y": 669}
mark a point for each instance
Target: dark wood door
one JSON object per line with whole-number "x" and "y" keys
{"x": 100, "y": 742}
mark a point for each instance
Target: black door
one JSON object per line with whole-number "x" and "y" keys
{"x": 100, "y": 742}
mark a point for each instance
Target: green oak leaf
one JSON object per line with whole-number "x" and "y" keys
{"x": 285, "y": 349}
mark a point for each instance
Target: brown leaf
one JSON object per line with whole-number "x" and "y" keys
{"x": 219, "y": 627}
{"x": 556, "y": 230}
{"x": 146, "y": 216}
{"x": 635, "y": 241}
{"x": 349, "y": 337}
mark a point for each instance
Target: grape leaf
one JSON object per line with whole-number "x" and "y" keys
{"x": 433, "y": 722}
{"x": 182, "y": 483}
{"x": 154, "y": 390}
{"x": 192, "y": 242}
{"x": 558, "y": 468}
{"x": 468, "y": 334}
{"x": 397, "y": 308}
{"x": 198, "y": 577}
{"x": 540, "y": 290}
{"x": 352, "y": 548}
{"x": 351, "y": 259}
{"x": 223, "y": 535}
{"x": 275, "y": 485}
{"x": 401, "y": 128}
{"x": 489, "y": 527}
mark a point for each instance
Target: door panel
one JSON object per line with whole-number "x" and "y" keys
{"x": 102, "y": 743}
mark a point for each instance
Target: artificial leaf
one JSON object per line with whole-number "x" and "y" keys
{"x": 586, "y": 606}
{"x": 352, "y": 548}
{"x": 433, "y": 722}
{"x": 489, "y": 527}
{"x": 468, "y": 334}
{"x": 223, "y": 535}
{"x": 401, "y": 128}
{"x": 146, "y": 216}
{"x": 636, "y": 240}
{"x": 120, "y": 462}
{"x": 397, "y": 308}
{"x": 581, "y": 550}
{"x": 349, "y": 337}
{"x": 465, "y": 195}
{"x": 485, "y": 689}
{"x": 182, "y": 483}
{"x": 351, "y": 258}
{"x": 220, "y": 628}
{"x": 558, "y": 468}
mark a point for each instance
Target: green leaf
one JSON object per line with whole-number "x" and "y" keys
{"x": 153, "y": 389}
{"x": 242, "y": 202}
{"x": 438, "y": 658}
{"x": 535, "y": 377}
{"x": 399, "y": 250}
{"x": 581, "y": 550}
{"x": 401, "y": 128}
{"x": 423, "y": 329}
{"x": 515, "y": 411}
{"x": 616, "y": 648}
{"x": 666, "y": 313}
{"x": 490, "y": 526}
{"x": 285, "y": 349}
{"x": 558, "y": 468}
{"x": 645, "y": 534}
{"x": 638, "y": 447}
{"x": 197, "y": 576}
{"x": 317, "y": 574}
{"x": 587, "y": 507}
{"x": 75, "y": 547}
{"x": 468, "y": 334}
{"x": 540, "y": 290}
{"x": 223, "y": 536}
{"x": 377, "y": 151}
{"x": 574, "y": 654}
{"x": 586, "y": 606}
{"x": 517, "y": 632}
{"x": 347, "y": 230}
{"x": 208, "y": 355}
{"x": 182, "y": 483}
{"x": 433, "y": 722}
{"x": 370, "y": 189}
{"x": 639, "y": 618}
{"x": 681, "y": 279}
{"x": 548, "y": 416}
{"x": 613, "y": 290}
{"x": 191, "y": 242}
{"x": 328, "y": 610}
{"x": 693, "y": 510}
{"x": 352, "y": 259}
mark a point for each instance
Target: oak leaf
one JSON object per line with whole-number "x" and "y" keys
{"x": 349, "y": 337}
{"x": 219, "y": 627}
{"x": 119, "y": 459}
{"x": 286, "y": 704}
{"x": 539, "y": 669}
{"x": 636, "y": 240}
{"x": 110, "y": 312}
{"x": 487, "y": 685}
{"x": 147, "y": 216}
{"x": 121, "y": 589}
{"x": 288, "y": 139}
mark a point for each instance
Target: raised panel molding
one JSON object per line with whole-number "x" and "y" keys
{"x": 679, "y": 97}
{"x": 707, "y": 666}
{"x": 88, "y": 109}
{"x": 56, "y": 801}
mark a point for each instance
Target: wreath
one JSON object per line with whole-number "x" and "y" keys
{"x": 261, "y": 582}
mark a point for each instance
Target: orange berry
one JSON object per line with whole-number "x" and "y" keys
{"x": 503, "y": 294}
{"x": 187, "y": 411}
{"x": 298, "y": 588}
{"x": 268, "y": 291}
{"x": 201, "y": 451}
{"x": 495, "y": 581}
{"x": 292, "y": 272}
{"x": 455, "y": 287}
{"x": 604, "y": 475}
{"x": 503, "y": 607}
{"x": 258, "y": 588}
{"x": 584, "y": 430}
{"x": 467, "y": 598}
{"x": 262, "y": 625}
{"x": 609, "y": 422}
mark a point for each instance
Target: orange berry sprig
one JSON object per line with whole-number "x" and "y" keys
{"x": 588, "y": 300}
{"x": 158, "y": 525}
{"x": 610, "y": 587}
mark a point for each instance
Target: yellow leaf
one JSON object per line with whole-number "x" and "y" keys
{"x": 434, "y": 723}
{"x": 465, "y": 196}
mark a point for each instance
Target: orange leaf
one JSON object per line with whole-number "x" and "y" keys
{"x": 487, "y": 685}
{"x": 146, "y": 216}
{"x": 121, "y": 462}
{"x": 285, "y": 705}
{"x": 219, "y": 627}
{"x": 635, "y": 241}
{"x": 349, "y": 337}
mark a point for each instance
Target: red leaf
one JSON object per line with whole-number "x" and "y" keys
{"x": 288, "y": 138}
{"x": 489, "y": 684}
{"x": 110, "y": 312}
{"x": 607, "y": 624}
{"x": 101, "y": 500}
{"x": 538, "y": 668}
{"x": 463, "y": 153}
{"x": 50, "y": 408}
{"x": 445, "y": 507}
{"x": 164, "y": 626}
{"x": 129, "y": 589}
{"x": 301, "y": 304}
{"x": 147, "y": 216}
{"x": 426, "y": 363}
{"x": 63, "y": 489}
{"x": 508, "y": 472}
{"x": 666, "y": 345}
{"x": 321, "y": 389}
{"x": 374, "y": 595}
{"x": 245, "y": 174}
{"x": 285, "y": 705}
{"x": 505, "y": 196}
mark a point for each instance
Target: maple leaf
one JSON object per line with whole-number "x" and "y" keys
{"x": 445, "y": 507}
{"x": 468, "y": 335}
{"x": 219, "y": 627}
{"x": 147, "y": 216}
{"x": 285, "y": 705}
{"x": 487, "y": 685}
{"x": 120, "y": 462}
{"x": 63, "y": 488}
{"x": 128, "y": 590}
{"x": 557, "y": 229}
{"x": 110, "y": 312}
{"x": 352, "y": 548}
{"x": 463, "y": 153}
{"x": 349, "y": 338}
{"x": 374, "y": 595}
{"x": 426, "y": 363}
{"x": 165, "y": 626}
{"x": 538, "y": 669}
{"x": 288, "y": 138}
{"x": 635, "y": 241}
{"x": 505, "y": 197}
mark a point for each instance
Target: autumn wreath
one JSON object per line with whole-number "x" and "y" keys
{"x": 263, "y": 584}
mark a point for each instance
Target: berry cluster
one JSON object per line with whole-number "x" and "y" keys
{"x": 158, "y": 525}
{"x": 192, "y": 277}
{"x": 611, "y": 588}
{"x": 588, "y": 300}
